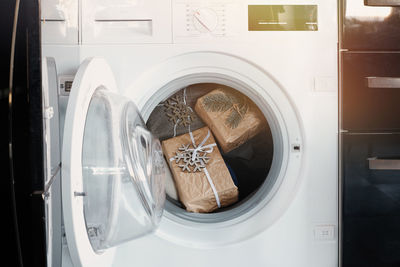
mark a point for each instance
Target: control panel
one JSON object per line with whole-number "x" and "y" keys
{"x": 139, "y": 21}
{"x": 204, "y": 20}
{"x": 168, "y": 21}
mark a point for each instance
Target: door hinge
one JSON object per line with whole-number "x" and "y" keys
{"x": 46, "y": 192}
{"x": 48, "y": 113}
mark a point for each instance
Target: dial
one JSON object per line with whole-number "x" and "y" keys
{"x": 205, "y": 20}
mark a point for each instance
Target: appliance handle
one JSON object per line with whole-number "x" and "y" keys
{"x": 52, "y": 20}
{"x": 381, "y": 2}
{"x": 383, "y": 82}
{"x": 376, "y": 163}
{"x": 123, "y": 20}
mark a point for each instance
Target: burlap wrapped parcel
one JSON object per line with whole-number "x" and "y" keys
{"x": 232, "y": 117}
{"x": 194, "y": 189}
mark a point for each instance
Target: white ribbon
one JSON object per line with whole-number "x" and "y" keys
{"x": 212, "y": 187}
{"x": 184, "y": 95}
{"x": 176, "y": 124}
{"x": 202, "y": 148}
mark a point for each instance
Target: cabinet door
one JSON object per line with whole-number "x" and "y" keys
{"x": 371, "y": 91}
{"x": 371, "y": 200}
{"x": 371, "y": 24}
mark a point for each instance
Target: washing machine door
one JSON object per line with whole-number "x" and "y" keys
{"x": 112, "y": 169}
{"x": 52, "y": 158}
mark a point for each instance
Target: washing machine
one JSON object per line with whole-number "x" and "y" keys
{"x": 107, "y": 65}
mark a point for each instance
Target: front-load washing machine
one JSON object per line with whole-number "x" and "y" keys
{"x": 112, "y": 65}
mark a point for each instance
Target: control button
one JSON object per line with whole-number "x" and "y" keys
{"x": 324, "y": 232}
{"x": 205, "y": 20}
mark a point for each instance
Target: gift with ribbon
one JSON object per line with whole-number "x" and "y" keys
{"x": 232, "y": 117}
{"x": 202, "y": 179}
{"x": 175, "y": 114}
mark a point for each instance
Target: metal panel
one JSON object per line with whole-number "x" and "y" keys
{"x": 383, "y": 82}
{"x": 376, "y": 163}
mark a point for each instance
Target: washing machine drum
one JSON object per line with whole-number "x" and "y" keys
{"x": 113, "y": 168}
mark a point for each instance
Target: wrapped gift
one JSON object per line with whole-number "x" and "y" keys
{"x": 232, "y": 117}
{"x": 173, "y": 116}
{"x": 202, "y": 179}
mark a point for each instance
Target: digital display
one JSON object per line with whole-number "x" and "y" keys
{"x": 283, "y": 18}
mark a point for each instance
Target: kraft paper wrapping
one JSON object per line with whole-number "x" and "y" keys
{"x": 194, "y": 190}
{"x": 158, "y": 122}
{"x": 251, "y": 124}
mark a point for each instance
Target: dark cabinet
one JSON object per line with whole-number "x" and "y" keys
{"x": 371, "y": 91}
{"x": 371, "y": 25}
{"x": 371, "y": 200}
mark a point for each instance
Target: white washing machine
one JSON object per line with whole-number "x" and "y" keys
{"x": 281, "y": 54}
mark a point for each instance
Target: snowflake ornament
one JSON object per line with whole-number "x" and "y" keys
{"x": 178, "y": 111}
{"x": 189, "y": 163}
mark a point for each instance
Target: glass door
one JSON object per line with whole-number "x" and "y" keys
{"x": 113, "y": 172}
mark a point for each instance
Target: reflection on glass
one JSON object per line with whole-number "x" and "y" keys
{"x": 358, "y": 10}
{"x": 123, "y": 178}
{"x": 371, "y": 27}
{"x": 60, "y": 10}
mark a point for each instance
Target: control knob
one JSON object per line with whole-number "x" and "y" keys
{"x": 205, "y": 20}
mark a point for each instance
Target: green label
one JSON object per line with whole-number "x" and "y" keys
{"x": 283, "y": 18}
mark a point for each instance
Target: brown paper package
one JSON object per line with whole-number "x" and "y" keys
{"x": 251, "y": 124}
{"x": 193, "y": 188}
